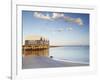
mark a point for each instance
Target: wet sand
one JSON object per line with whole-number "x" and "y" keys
{"x": 30, "y": 62}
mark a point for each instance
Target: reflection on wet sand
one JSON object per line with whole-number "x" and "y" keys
{"x": 43, "y": 52}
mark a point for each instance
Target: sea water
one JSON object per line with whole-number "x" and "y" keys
{"x": 77, "y": 54}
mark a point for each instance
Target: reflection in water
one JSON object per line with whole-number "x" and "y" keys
{"x": 44, "y": 52}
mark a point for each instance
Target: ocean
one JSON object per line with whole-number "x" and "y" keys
{"x": 77, "y": 54}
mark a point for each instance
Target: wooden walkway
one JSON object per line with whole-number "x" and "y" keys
{"x": 34, "y": 47}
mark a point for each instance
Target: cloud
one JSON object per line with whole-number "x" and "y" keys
{"x": 78, "y": 21}
{"x": 56, "y": 30}
{"x": 47, "y": 16}
{"x": 69, "y": 28}
{"x": 68, "y": 19}
{"x": 60, "y": 30}
{"x": 42, "y": 16}
{"x": 55, "y": 16}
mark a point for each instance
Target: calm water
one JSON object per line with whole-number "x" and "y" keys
{"x": 78, "y": 54}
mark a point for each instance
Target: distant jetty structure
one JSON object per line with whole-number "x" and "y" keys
{"x": 38, "y": 44}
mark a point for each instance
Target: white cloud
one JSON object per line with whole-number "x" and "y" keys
{"x": 42, "y": 16}
{"x": 47, "y": 16}
{"x": 57, "y": 15}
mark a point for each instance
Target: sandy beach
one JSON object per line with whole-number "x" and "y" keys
{"x": 30, "y": 62}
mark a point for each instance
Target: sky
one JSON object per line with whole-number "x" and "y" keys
{"x": 59, "y": 28}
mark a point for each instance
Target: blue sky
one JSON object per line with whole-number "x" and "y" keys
{"x": 59, "y": 28}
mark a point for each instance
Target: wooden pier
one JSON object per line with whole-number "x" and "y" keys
{"x": 35, "y": 47}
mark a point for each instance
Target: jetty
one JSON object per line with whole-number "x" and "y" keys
{"x": 36, "y": 44}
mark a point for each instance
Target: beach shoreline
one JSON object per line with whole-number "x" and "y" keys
{"x": 33, "y": 62}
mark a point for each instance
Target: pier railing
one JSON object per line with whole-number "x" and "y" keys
{"x": 35, "y": 47}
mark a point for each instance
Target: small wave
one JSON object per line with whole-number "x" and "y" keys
{"x": 66, "y": 60}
